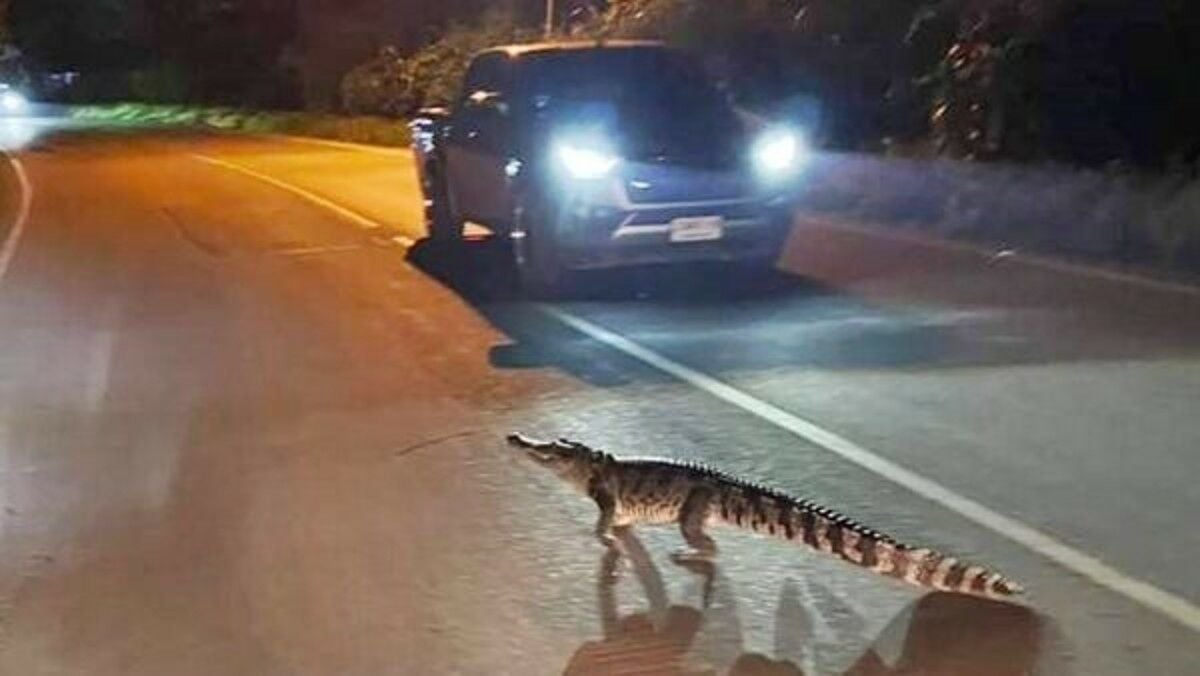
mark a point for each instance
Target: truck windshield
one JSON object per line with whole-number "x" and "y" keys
{"x": 632, "y": 76}
{"x": 657, "y": 97}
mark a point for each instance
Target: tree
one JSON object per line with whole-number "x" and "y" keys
{"x": 4, "y": 30}
{"x": 848, "y": 56}
{"x": 392, "y": 84}
{"x": 74, "y": 34}
{"x": 230, "y": 51}
{"x": 12, "y": 67}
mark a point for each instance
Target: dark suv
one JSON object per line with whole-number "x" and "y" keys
{"x": 602, "y": 155}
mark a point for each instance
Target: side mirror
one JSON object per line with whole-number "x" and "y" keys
{"x": 426, "y": 125}
{"x": 493, "y": 102}
{"x": 432, "y": 114}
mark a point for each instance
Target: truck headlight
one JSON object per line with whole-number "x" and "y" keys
{"x": 778, "y": 152}
{"x": 13, "y": 102}
{"x": 585, "y": 162}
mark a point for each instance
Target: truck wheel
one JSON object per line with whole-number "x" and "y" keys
{"x": 445, "y": 225}
{"x": 540, "y": 270}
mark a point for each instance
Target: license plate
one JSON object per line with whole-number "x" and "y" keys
{"x": 699, "y": 229}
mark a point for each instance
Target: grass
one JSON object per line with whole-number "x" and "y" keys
{"x": 358, "y": 129}
{"x": 1137, "y": 220}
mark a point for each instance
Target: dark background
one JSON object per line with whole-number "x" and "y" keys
{"x": 1091, "y": 82}
{"x": 278, "y": 53}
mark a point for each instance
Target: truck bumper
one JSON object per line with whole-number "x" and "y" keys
{"x": 594, "y": 236}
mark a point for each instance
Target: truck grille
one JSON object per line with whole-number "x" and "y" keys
{"x": 657, "y": 184}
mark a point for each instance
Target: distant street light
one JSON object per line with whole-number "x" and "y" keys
{"x": 549, "y": 19}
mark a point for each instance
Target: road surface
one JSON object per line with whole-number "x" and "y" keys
{"x": 250, "y": 424}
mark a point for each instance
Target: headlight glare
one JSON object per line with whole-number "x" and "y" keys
{"x": 13, "y": 101}
{"x": 585, "y": 162}
{"x": 778, "y": 152}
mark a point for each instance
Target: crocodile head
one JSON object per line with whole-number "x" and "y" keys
{"x": 573, "y": 462}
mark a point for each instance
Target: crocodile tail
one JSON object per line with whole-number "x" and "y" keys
{"x": 827, "y": 531}
{"x": 927, "y": 568}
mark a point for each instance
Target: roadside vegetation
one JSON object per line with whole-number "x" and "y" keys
{"x": 396, "y": 84}
{"x": 1082, "y": 82}
{"x": 370, "y": 129}
{"x": 1140, "y": 219}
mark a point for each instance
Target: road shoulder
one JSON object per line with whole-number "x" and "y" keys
{"x": 10, "y": 197}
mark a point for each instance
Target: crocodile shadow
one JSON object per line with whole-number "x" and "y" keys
{"x": 939, "y": 634}
{"x": 663, "y": 638}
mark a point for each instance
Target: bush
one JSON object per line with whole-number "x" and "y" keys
{"x": 1085, "y": 81}
{"x": 360, "y": 129}
{"x": 381, "y": 86}
{"x": 850, "y": 56}
{"x": 1143, "y": 219}
{"x": 162, "y": 83}
{"x": 1081, "y": 81}
{"x": 390, "y": 85}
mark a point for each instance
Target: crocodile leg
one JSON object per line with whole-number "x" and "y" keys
{"x": 692, "y": 517}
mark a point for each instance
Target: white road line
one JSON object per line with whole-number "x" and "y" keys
{"x": 8, "y": 250}
{"x": 348, "y": 214}
{"x": 1088, "y": 566}
{"x": 358, "y": 219}
{"x": 100, "y": 357}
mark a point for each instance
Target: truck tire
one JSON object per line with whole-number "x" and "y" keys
{"x": 445, "y": 225}
{"x": 540, "y": 270}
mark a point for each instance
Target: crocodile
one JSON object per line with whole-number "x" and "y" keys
{"x": 657, "y": 491}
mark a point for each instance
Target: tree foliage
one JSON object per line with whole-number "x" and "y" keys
{"x": 394, "y": 85}
{"x": 161, "y": 50}
{"x": 227, "y": 51}
{"x": 5, "y": 31}
{"x": 850, "y": 56}
{"x": 75, "y": 34}
{"x": 1088, "y": 81}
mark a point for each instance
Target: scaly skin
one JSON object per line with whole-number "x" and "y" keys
{"x": 650, "y": 491}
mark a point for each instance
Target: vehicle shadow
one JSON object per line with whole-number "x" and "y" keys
{"x": 956, "y": 634}
{"x": 713, "y": 313}
{"x": 482, "y": 272}
{"x": 940, "y": 634}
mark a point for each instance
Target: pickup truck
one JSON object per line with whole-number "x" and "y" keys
{"x": 603, "y": 155}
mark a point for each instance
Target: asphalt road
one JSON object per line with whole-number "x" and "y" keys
{"x": 249, "y": 424}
